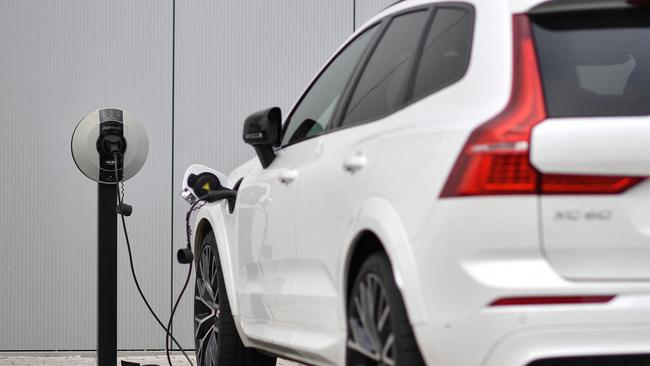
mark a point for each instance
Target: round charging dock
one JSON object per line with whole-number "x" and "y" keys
{"x": 87, "y": 154}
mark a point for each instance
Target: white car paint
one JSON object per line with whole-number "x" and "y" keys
{"x": 285, "y": 250}
{"x": 611, "y": 146}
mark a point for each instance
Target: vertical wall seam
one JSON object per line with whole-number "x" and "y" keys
{"x": 354, "y": 16}
{"x": 171, "y": 224}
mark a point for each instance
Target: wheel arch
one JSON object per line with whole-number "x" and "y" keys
{"x": 210, "y": 219}
{"x": 378, "y": 227}
{"x": 364, "y": 245}
{"x": 202, "y": 229}
{"x": 205, "y": 224}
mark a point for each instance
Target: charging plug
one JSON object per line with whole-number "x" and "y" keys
{"x": 110, "y": 145}
{"x": 124, "y": 209}
{"x": 185, "y": 256}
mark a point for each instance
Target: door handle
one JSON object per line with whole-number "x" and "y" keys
{"x": 355, "y": 163}
{"x": 288, "y": 176}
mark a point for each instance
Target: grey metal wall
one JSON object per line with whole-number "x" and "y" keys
{"x": 60, "y": 59}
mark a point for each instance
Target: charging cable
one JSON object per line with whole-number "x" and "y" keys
{"x": 185, "y": 255}
{"x": 125, "y": 210}
{"x": 189, "y": 259}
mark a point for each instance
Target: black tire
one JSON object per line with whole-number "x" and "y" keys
{"x": 388, "y": 339}
{"x": 215, "y": 335}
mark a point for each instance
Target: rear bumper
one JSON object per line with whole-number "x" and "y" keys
{"x": 471, "y": 255}
{"x": 523, "y": 347}
{"x": 517, "y": 336}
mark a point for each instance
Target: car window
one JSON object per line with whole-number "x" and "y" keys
{"x": 315, "y": 110}
{"x": 595, "y": 63}
{"x": 383, "y": 85}
{"x": 445, "y": 55}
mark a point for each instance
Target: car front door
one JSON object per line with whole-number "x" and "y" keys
{"x": 270, "y": 276}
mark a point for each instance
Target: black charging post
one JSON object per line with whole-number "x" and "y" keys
{"x": 106, "y": 275}
{"x": 99, "y": 149}
{"x": 110, "y": 131}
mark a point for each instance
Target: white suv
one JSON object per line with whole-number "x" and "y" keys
{"x": 461, "y": 185}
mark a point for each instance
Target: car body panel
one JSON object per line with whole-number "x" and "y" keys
{"x": 266, "y": 212}
{"x": 592, "y": 146}
{"x": 328, "y": 200}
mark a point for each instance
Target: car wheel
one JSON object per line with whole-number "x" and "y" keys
{"x": 379, "y": 332}
{"x": 215, "y": 335}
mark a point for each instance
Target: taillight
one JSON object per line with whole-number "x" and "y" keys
{"x": 495, "y": 159}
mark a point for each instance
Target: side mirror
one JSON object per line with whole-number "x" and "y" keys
{"x": 262, "y": 131}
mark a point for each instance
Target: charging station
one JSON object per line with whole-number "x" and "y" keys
{"x": 108, "y": 147}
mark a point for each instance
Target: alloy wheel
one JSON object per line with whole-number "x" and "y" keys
{"x": 206, "y": 307}
{"x": 371, "y": 340}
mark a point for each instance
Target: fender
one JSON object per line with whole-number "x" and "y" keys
{"x": 377, "y": 215}
{"x": 214, "y": 214}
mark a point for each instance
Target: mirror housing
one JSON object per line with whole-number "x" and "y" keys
{"x": 262, "y": 130}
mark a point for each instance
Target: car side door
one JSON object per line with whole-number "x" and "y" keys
{"x": 268, "y": 201}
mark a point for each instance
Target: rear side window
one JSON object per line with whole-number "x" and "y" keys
{"x": 383, "y": 85}
{"x": 446, "y": 51}
{"x": 595, "y": 63}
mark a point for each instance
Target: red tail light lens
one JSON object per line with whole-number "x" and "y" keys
{"x": 552, "y": 300}
{"x": 495, "y": 159}
{"x": 584, "y": 184}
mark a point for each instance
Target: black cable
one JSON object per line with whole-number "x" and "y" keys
{"x": 171, "y": 316}
{"x": 117, "y": 156}
{"x": 188, "y": 232}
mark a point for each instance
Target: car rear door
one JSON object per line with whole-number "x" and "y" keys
{"x": 332, "y": 187}
{"x": 593, "y": 151}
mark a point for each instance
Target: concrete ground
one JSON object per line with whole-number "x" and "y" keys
{"x": 87, "y": 359}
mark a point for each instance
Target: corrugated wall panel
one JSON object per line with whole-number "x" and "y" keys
{"x": 59, "y": 60}
{"x": 234, "y": 58}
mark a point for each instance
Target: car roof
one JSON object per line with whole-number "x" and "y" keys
{"x": 516, "y": 6}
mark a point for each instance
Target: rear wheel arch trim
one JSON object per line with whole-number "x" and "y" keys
{"x": 378, "y": 217}
{"x": 357, "y": 255}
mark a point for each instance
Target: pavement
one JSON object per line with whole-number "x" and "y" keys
{"x": 81, "y": 359}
